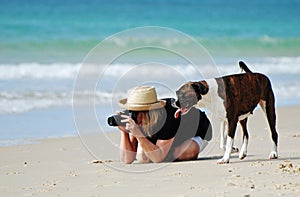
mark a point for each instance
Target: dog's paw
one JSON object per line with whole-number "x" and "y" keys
{"x": 242, "y": 155}
{"x": 223, "y": 161}
{"x": 273, "y": 155}
{"x": 234, "y": 149}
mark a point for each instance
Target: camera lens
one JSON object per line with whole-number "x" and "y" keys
{"x": 111, "y": 121}
{"x": 115, "y": 121}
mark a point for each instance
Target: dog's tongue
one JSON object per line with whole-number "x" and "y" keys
{"x": 177, "y": 113}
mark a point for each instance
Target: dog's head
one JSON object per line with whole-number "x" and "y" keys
{"x": 188, "y": 95}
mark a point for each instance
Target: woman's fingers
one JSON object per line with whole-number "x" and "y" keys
{"x": 128, "y": 119}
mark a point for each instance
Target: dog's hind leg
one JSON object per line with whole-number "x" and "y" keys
{"x": 271, "y": 116}
{"x": 243, "y": 152}
{"x": 269, "y": 109}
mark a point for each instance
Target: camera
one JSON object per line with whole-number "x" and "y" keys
{"x": 115, "y": 120}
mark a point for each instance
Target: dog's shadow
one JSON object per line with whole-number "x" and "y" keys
{"x": 202, "y": 159}
{"x": 249, "y": 159}
{"x": 209, "y": 158}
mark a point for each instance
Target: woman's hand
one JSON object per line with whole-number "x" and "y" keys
{"x": 128, "y": 145}
{"x": 131, "y": 126}
{"x": 122, "y": 128}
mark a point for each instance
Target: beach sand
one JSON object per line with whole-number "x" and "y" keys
{"x": 64, "y": 167}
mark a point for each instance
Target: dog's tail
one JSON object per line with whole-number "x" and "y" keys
{"x": 244, "y": 67}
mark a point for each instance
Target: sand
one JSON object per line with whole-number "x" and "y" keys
{"x": 64, "y": 167}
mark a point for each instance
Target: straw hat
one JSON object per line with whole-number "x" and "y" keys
{"x": 142, "y": 98}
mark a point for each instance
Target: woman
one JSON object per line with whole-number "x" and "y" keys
{"x": 161, "y": 135}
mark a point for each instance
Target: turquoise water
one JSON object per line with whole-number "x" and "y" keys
{"x": 50, "y": 31}
{"x": 42, "y": 45}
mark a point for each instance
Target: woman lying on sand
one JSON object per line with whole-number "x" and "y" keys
{"x": 161, "y": 136}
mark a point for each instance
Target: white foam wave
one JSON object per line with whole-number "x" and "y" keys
{"x": 268, "y": 66}
{"x": 283, "y": 73}
{"x": 166, "y": 42}
{"x": 275, "y": 65}
{"x": 159, "y": 71}
{"x": 38, "y": 71}
{"x": 14, "y": 102}
{"x": 19, "y": 102}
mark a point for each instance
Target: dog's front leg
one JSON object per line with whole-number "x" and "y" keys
{"x": 223, "y": 129}
{"x": 226, "y": 157}
{"x": 229, "y": 142}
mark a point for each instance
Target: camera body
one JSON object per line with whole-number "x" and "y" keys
{"x": 115, "y": 120}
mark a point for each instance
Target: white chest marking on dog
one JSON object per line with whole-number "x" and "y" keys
{"x": 215, "y": 104}
{"x": 244, "y": 116}
{"x": 213, "y": 101}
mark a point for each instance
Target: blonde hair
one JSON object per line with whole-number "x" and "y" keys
{"x": 150, "y": 120}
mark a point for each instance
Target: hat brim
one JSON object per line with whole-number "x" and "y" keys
{"x": 141, "y": 107}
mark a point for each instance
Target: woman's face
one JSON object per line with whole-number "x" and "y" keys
{"x": 140, "y": 118}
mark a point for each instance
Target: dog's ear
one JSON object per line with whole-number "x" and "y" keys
{"x": 200, "y": 87}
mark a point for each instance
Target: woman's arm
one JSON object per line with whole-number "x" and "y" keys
{"x": 128, "y": 146}
{"x": 155, "y": 152}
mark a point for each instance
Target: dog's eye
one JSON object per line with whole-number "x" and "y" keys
{"x": 182, "y": 95}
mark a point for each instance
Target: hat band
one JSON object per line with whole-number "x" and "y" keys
{"x": 141, "y": 103}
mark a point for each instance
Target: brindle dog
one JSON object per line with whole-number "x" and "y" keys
{"x": 232, "y": 98}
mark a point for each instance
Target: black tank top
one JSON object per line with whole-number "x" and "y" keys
{"x": 194, "y": 123}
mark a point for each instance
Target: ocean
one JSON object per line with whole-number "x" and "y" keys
{"x": 45, "y": 44}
